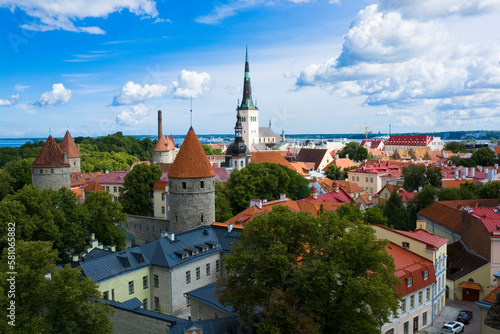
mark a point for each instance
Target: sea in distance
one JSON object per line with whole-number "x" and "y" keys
{"x": 211, "y": 139}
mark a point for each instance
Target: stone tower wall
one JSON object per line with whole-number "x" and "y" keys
{"x": 164, "y": 157}
{"x": 189, "y": 202}
{"x": 54, "y": 178}
{"x": 75, "y": 164}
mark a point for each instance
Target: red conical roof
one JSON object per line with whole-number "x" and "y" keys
{"x": 93, "y": 186}
{"x": 191, "y": 162}
{"x": 50, "y": 155}
{"x": 68, "y": 146}
{"x": 161, "y": 145}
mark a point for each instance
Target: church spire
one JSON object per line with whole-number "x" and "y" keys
{"x": 247, "y": 102}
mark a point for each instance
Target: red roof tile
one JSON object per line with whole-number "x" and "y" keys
{"x": 409, "y": 140}
{"x": 161, "y": 145}
{"x": 68, "y": 146}
{"x": 116, "y": 177}
{"x": 490, "y": 218}
{"x": 270, "y": 156}
{"x": 93, "y": 186}
{"x": 50, "y": 155}
{"x": 491, "y": 297}
{"x": 191, "y": 162}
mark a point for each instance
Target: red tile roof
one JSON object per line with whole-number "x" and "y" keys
{"x": 116, "y": 177}
{"x": 191, "y": 162}
{"x": 93, "y": 186}
{"x": 50, "y": 156}
{"x": 341, "y": 197}
{"x": 444, "y": 215}
{"x": 409, "y": 140}
{"x": 490, "y": 218}
{"x": 270, "y": 156}
{"x": 160, "y": 185}
{"x": 79, "y": 179}
{"x": 409, "y": 264}
{"x": 77, "y": 191}
{"x": 68, "y": 146}
{"x": 491, "y": 297}
{"x": 161, "y": 145}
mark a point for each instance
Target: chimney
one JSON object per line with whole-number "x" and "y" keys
{"x": 92, "y": 236}
{"x": 347, "y": 156}
{"x": 421, "y": 224}
{"x": 436, "y": 198}
{"x": 313, "y": 192}
{"x": 171, "y": 236}
{"x": 74, "y": 257}
{"x": 490, "y": 174}
{"x": 466, "y": 171}
{"x": 496, "y": 166}
{"x": 65, "y": 157}
{"x": 336, "y": 156}
{"x": 456, "y": 174}
{"x": 229, "y": 228}
{"x": 480, "y": 168}
{"x": 256, "y": 202}
{"x": 369, "y": 198}
{"x": 160, "y": 132}
{"x": 163, "y": 234}
{"x": 472, "y": 172}
{"x": 282, "y": 196}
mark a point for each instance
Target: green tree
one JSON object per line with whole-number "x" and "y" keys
{"x": 455, "y": 147}
{"x": 323, "y": 268}
{"x": 137, "y": 194}
{"x": 489, "y": 190}
{"x": 375, "y": 215}
{"x": 354, "y": 151}
{"x": 423, "y": 198}
{"x": 360, "y": 154}
{"x": 20, "y": 170}
{"x": 484, "y": 157}
{"x": 265, "y": 181}
{"x": 335, "y": 173}
{"x": 209, "y": 150}
{"x": 493, "y": 140}
{"x": 351, "y": 212}
{"x": 6, "y": 182}
{"x": 433, "y": 176}
{"x": 397, "y": 214}
{"x": 222, "y": 208}
{"x": 59, "y": 305}
{"x": 102, "y": 217}
{"x": 414, "y": 176}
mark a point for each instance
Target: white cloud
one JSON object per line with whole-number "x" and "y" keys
{"x": 62, "y": 15}
{"x": 10, "y": 102}
{"x": 191, "y": 84}
{"x": 425, "y": 9}
{"x": 57, "y": 96}
{"x": 20, "y": 87}
{"x": 133, "y": 93}
{"x": 399, "y": 62}
{"x": 132, "y": 116}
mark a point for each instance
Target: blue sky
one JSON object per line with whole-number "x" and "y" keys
{"x": 101, "y": 66}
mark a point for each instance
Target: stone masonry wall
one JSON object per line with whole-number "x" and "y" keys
{"x": 54, "y": 178}
{"x": 145, "y": 229}
{"x": 125, "y": 322}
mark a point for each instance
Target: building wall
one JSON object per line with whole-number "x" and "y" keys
{"x": 495, "y": 260}
{"x": 486, "y": 329}
{"x": 369, "y": 182}
{"x": 113, "y": 188}
{"x": 163, "y": 157}
{"x": 126, "y": 322}
{"x": 160, "y": 203}
{"x": 416, "y": 246}
{"x": 145, "y": 229}
{"x": 74, "y": 164}
{"x": 437, "y": 229}
{"x": 480, "y": 276}
{"x": 475, "y": 236}
{"x": 190, "y": 204}
{"x": 201, "y": 311}
{"x": 250, "y": 123}
{"x": 54, "y": 178}
{"x": 164, "y": 289}
{"x": 120, "y": 286}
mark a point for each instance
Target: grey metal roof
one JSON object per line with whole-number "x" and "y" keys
{"x": 206, "y": 294}
{"x": 265, "y": 131}
{"x": 132, "y": 304}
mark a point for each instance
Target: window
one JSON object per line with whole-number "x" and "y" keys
{"x": 241, "y": 163}
{"x": 130, "y": 287}
{"x": 202, "y": 184}
{"x": 357, "y": 178}
{"x": 145, "y": 282}
{"x": 390, "y": 331}
{"x": 406, "y": 328}
{"x": 162, "y": 197}
{"x": 188, "y": 301}
{"x": 162, "y": 209}
{"x": 105, "y": 295}
{"x": 188, "y": 276}
{"x": 403, "y": 306}
{"x": 156, "y": 282}
{"x": 107, "y": 188}
{"x": 197, "y": 272}
{"x": 184, "y": 185}
{"x": 424, "y": 319}
{"x": 366, "y": 179}
{"x": 405, "y": 245}
{"x": 145, "y": 303}
{"x": 41, "y": 171}
{"x": 412, "y": 302}
{"x": 409, "y": 282}
{"x": 353, "y": 178}
{"x": 371, "y": 179}
{"x": 426, "y": 274}
{"x": 157, "y": 303}
{"x": 115, "y": 199}
{"x": 112, "y": 294}
{"x": 217, "y": 265}
{"x": 115, "y": 189}
{"x": 207, "y": 267}
{"x": 216, "y": 316}
{"x": 52, "y": 170}
{"x": 385, "y": 195}
{"x": 202, "y": 217}
{"x": 428, "y": 294}
{"x": 420, "y": 297}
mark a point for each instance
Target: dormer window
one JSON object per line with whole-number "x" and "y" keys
{"x": 204, "y": 249}
{"x": 405, "y": 245}
{"x": 409, "y": 282}
{"x": 215, "y": 246}
{"x": 426, "y": 274}
{"x": 185, "y": 256}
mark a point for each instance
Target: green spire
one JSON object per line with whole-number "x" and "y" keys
{"x": 247, "y": 102}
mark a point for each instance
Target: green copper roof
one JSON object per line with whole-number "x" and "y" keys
{"x": 247, "y": 102}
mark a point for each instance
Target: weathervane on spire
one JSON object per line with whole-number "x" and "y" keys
{"x": 191, "y": 111}
{"x": 50, "y": 132}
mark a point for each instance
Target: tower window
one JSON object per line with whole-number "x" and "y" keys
{"x": 52, "y": 170}
{"x": 202, "y": 217}
{"x": 202, "y": 184}
{"x": 184, "y": 185}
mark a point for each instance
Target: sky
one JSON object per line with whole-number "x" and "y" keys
{"x": 96, "y": 67}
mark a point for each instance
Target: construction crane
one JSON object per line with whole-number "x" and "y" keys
{"x": 366, "y": 130}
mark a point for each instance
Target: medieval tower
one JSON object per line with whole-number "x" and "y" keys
{"x": 51, "y": 168}
{"x": 191, "y": 187}
{"x": 164, "y": 149}
{"x": 69, "y": 147}
{"x": 237, "y": 154}
{"x": 248, "y": 111}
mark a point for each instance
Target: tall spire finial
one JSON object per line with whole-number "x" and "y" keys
{"x": 247, "y": 102}
{"x": 191, "y": 110}
{"x": 246, "y": 55}
{"x": 50, "y": 132}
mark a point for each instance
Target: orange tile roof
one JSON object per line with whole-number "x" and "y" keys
{"x": 160, "y": 185}
{"x": 300, "y": 167}
{"x": 491, "y": 297}
{"x": 161, "y": 145}
{"x": 77, "y": 191}
{"x": 93, "y": 186}
{"x": 68, "y": 146}
{"x": 191, "y": 162}
{"x": 50, "y": 155}
{"x": 455, "y": 183}
{"x": 365, "y": 198}
{"x": 443, "y": 215}
{"x": 79, "y": 179}
{"x": 270, "y": 156}
{"x": 171, "y": 144}
{"x": 472, "y": 286}
{"x": 342, "y": 163}
{"x": 497, "y": 149}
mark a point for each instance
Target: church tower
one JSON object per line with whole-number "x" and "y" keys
{"x": 69, "y": 147}
{"x": 237, "y": 154}
{"x": 248, "y": 111}
{"x": 191, "y": 187}
{"x": 51, "y": 168}
{"x": 164, "y": 149}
